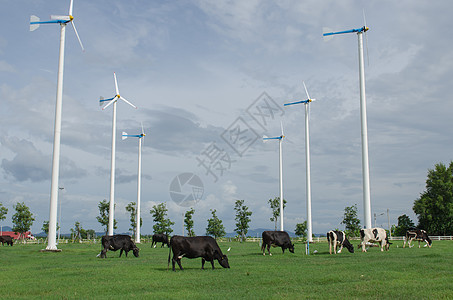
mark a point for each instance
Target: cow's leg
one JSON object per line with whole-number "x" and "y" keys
{"x": 121, "y": 252}
{"x": 341, "y": 248}
{"x": 330, "y": 247}
{"x": 103, "y": 252}
{"x": 269, "y": 249}
{"x": 179, "y": 263}
{"x": 212, "y": 263}
{"x": 263, "y": 248}
{"x": 202, "y": 263}
{"x": 335, "y": 244}
{"x": 363, "y": 246}
{"x": 418, "y": 244}
{"x": 173, "y": 263}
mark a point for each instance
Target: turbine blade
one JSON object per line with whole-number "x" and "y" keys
{"x": 70, "y": 7}
{"x": 364, "y": 19}
{"x": 128, "y": 102}
{"x": 306, "y": 91}
{"x": 75, "y": 30}
{"x": 143, "y": 131}
{"x": 110, "y": 103}
{"x": 34, "y": 19}
{"x": 116, "y": 84}
{"x": 281, "y": 126}
{"x": 124, "y": 135}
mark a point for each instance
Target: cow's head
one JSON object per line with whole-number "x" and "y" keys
{"x": 136, "y": 251}
{"x": 223, "y": 261}
{"x": 291, "y": 247}
{"x": 387, "y": 244}
{"x": 348, "y": 245}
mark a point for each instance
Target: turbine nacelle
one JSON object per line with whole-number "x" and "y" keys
{"x": 36, "y": 21}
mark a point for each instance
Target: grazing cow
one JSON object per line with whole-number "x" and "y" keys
{"x": 160, "y": 238}
{"x": 417, "y": 235}
{"x": 276, "y": 239}
{"x": 205, "y": 247}
{"x": 6, "y": 239}
{"x": 374, "y": 235}
{"x": 118, "y": 242}
{"x": 338, "y": 238}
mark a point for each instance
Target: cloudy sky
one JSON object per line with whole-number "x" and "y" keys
{"x": 199, "y": 73}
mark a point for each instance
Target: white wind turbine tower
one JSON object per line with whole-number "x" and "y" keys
{"x": 307, "y": 160}
{"x": 34, "y": 24}
{"x": 137, "y": 222}
{"x": 365, "y": 162}
{"x": 113, "y": 101}
{"x": 280, "y": 139}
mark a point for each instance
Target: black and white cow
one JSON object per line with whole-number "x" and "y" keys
{"x": 6, "y": 239}
{"x": 338, "y": 238}
{"x": 374, "y": 235}
{"x": 118, "y": 242}
{"x": 205, "y": 247}
{"x": 276, "y": 239}
{"x": 160, "y": 238}
{"x": 419, "y": 235}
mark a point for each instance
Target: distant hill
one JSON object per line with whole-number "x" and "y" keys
{"x": 7, "y": 228}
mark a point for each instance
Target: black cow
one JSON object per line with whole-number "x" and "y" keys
{"x": 276, "y": 239}
{"x": 205, "y": 247}
{"x": 160, "y": 238}
{"x": 6, "y": 239}
{"x": 336, "y": 237}
{"x": 419, "y": 235}
{"x": 118, "y": 242}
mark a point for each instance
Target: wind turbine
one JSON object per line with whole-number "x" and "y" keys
{"x": 113, "y": 101}
{"x": 34, "y": 24}
{"x": 363, "y": 118}
{"x": 139, "y": 136}
{"x": 307, "y": 160}
{"x": 280, "y": 139}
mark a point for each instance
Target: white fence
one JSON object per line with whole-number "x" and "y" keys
{"x": 393, "y": 238}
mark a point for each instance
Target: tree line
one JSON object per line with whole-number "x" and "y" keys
{"x": 434, "y": 210}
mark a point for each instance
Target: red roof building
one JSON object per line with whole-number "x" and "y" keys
{"x": 15, "y": 235}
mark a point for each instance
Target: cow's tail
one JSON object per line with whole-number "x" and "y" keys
{"x": 169, "y": 254}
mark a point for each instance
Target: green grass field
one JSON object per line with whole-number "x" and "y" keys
{"x": 76, "y": 273}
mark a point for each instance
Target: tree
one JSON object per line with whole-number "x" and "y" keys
{"x": 404, "y": 223}
{"x": 78, "y": 232}
{"x": 350, "y": 221}
{"x": 45, "y": 227}
{"x": 188, "y": 222}
{"x": 242, "y": 218}
{"x": 91, "y": 233}
{"x": 104, "y": 212}
{"x": 434, "y": 208}
{"x": 215, "y": 226}
{"x": 162, "y": 223}
{"x": 301, "y": 229}
{"x": 22, "y": 219}
{"x": 131, "y": 208}
{"x": 3, "y": 212}
{"x": 275, "y": 206}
